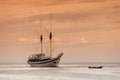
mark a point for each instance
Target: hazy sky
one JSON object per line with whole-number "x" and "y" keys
{"x": 84, "y": 30}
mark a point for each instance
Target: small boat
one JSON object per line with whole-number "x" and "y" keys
{"x": 41, "y": 60}
{"x": 95, "y": 67}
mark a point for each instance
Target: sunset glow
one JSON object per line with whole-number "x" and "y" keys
{"x": 84, "y": 30}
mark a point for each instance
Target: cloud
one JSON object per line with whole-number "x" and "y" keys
{"x": 83, "y": 40}
{"x": 83, "y": 44}
{"x": 79, "y": 29}
{"x": 28, "y": 40}
{"x": 47, "y": 2}
{"x": 84, "y": 15}
{"x": 88, "y": 18}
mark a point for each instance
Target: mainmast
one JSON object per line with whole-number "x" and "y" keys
{"x": 50, "y": 37}
{"x": 41, "y": 38}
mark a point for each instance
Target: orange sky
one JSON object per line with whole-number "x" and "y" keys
{"x": 85, "y": 30}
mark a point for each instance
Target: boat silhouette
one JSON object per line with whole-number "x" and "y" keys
{"x": 41, "y": 60}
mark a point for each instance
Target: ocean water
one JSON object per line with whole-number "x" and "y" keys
{"x": 63, "y": 72}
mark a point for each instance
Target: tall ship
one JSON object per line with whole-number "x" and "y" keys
{"x": 41, "y": 60}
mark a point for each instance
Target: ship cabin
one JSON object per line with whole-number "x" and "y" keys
{"x": 38, "y": 56}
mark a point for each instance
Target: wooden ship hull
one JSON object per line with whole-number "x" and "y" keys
{"x": 53, "y": 62}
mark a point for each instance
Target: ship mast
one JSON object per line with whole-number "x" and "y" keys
{"x": 50, "y": 37}
{"x": 41, "y": 38}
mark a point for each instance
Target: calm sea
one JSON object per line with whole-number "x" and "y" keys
{"x": 63, "y": 72}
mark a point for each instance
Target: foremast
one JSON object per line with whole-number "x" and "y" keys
{"x": 41, "y": 38}
{"x": 50, "y": 37}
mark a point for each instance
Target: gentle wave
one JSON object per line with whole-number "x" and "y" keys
{"x": 63, "y": 72}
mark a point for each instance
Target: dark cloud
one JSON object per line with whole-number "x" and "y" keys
{"x": 116, "y": 6}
